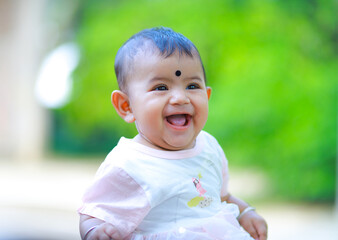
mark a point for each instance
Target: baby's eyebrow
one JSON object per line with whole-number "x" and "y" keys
{"x": 193, "y": 78}
{"x": 154, "y": 79}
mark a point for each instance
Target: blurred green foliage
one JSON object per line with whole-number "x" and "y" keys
{"x": 272, "y": 66}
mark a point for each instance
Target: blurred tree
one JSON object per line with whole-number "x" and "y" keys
{"x": 272, "y": 66}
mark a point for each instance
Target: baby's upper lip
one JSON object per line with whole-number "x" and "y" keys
{"x": 178, "y": 113}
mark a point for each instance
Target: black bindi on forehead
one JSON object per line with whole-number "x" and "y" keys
{"x": 178, "y": 73}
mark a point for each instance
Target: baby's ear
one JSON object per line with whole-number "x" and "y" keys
{"x": 209, "y": 92}
{"x": 120, "y": 101}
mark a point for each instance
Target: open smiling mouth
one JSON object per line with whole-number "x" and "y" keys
{"x": 179, "y": 120}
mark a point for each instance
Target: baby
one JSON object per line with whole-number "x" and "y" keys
{"x": 169, "y": 181}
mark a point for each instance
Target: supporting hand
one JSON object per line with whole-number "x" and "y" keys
{"x": 255, "y": 225}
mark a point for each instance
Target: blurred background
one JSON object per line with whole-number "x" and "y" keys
{"x": 273, "y": 69}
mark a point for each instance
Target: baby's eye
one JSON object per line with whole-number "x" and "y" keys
{"x": 161, "y": 88}
{"x": 193, "y": 86}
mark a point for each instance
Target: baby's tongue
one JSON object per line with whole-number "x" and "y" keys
{"x": 177, "y": 120}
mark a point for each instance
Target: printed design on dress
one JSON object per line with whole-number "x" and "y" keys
{"x": 201, "y": 200}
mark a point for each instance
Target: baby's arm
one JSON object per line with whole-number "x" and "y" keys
{"x": 250, "y": 221}
{"x": 95, "y": 229}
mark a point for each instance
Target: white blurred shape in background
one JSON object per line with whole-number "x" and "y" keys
{"x": 54, "y": 83}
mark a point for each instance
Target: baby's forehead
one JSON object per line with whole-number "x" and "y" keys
{"x": 157, "y": 60}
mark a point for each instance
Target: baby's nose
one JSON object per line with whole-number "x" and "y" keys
{"x": 179, "y": 97}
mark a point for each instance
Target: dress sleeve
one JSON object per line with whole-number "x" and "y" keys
{"x": 118, "y": 199}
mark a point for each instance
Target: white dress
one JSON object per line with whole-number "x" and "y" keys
{"x": 153, "y": 194}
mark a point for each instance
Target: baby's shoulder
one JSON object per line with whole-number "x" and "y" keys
{"x": 118, "y": 157}
{"x": 207, "y": 135}
{"x": 208, "y": 139}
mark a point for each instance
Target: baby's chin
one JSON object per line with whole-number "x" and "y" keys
{"x": 176, "y": 145}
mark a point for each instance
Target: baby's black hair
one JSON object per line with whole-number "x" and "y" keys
{"x": 166, "y": 41}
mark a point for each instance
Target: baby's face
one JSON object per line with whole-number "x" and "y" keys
{"x": 168, "y": 99}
